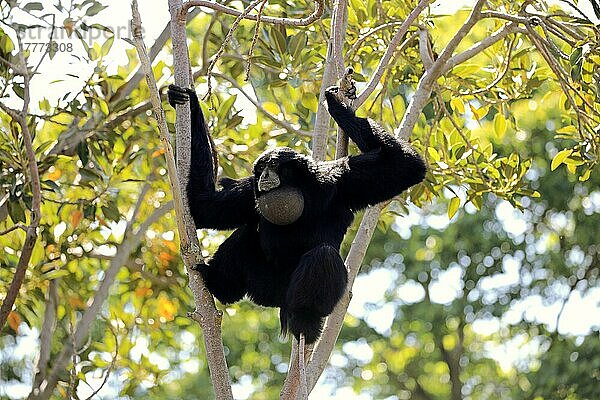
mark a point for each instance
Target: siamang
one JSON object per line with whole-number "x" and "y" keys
{"x": 289, "y": 258}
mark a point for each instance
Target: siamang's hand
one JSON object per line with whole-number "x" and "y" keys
{"x": 331, "y": 94}
{"x": 178, "y": 95}
{"x": 199, "y": 267}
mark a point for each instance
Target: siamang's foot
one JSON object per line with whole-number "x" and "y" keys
{"x": 178, "y": 95}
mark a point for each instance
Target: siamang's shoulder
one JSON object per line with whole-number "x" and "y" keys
{"x": 330, "y": 171}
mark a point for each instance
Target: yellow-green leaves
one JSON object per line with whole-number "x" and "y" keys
{"x": 500, "y": 125}
{"x": 453, "y": 206}
{"x": 560, "y": 157}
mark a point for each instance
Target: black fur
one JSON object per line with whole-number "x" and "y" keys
{"x": 296, "y": 267}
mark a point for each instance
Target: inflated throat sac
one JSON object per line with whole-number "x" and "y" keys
{"x": 281, "y": 206}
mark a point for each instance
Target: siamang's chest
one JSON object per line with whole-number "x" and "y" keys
{"x": 285, "y": 244}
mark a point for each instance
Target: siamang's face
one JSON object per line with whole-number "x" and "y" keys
{"x": 278, "y": 167}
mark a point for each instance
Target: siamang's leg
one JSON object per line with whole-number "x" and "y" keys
{"x": 316, "y": 286}
{"x": 225, "y": 273}
{"x": 228, "y": 208}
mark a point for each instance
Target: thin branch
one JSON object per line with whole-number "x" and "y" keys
{"x": 226, "y": 40}
{"x": 361, "y": 39}
{"x": 281, "y": 123}
{"x": 14, "y": 114}
{"x": 254, "y": 38}
{"x": 425, "y": 48}
{"x": 110, "y": 367}
{"x": 315, "y": 15}
{"x": 556, "y": 68}
{"x": 48, "y": 47}
{"x": 501, "y": 75}
{"x": 47, "y": 332}
{"x": 480, "y": 46}
{"x": 16, "y": 69}
{"x": 31, "y": 235}
{"x": 12, "y": 228}
{"x": 389, "y": 52}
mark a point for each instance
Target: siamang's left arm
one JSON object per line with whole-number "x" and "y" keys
{"x": 386, "y": 167}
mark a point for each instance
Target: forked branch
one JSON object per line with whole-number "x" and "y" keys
{"x": 315, "y": 15}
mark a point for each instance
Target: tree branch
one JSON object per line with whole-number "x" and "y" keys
{"x": 281, "y": 123}
{"x": 129, "y": 243}
{"x": 46, "y": 333}
{"x": 361, "y": 241}
{"x": 205, "y": 313}
{"x": 315, "y": 15}
{"x": 31, "y": 231}
{"x": 480, "y": 46}
{"x": 389, "y": 52}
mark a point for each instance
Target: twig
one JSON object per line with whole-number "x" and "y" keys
{"x": 316, "y": 14}
{"x": 110, "y": 367}
{"x": 480, "y": 46}
{"x": 254, "y": 38}
{"x": 282, "y": 123}
{"x": 361, "y": 39}
{"x": 14, "y": 114}
{"x": 14, "y": 227}
{"x": 501, "y": 75}
{"x": 389, "y": 52}
{"x": 226, "y": 40}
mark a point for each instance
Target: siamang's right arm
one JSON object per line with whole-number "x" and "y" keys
{"x": 386, "y": 167}
{"x": 227, "y": 208}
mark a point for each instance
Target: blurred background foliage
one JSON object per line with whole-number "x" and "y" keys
{"x": 480, "y": 283}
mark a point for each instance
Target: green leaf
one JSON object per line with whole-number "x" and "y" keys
{"x": 103, "y": 106}
{"x": 16, "y": 211}
{"x": 277, "y": 38}
{"x": 111, "y": 212}
{"x": 33, "y": 6}
{"x": 95, "y": 9}
{"x": 225, "y": 107}
{"x": 107, "y": 45}
{"x": 560, "y": 157}
{"x": 297, "y": 44}
{"x": 19, "y": 91}
{"x": 433, "y": 154}
{"x": 500, "y": 125}
{"x": 457, "y": 105}
{"x": 453, "y": 207}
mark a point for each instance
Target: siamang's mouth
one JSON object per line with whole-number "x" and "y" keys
{"x": 268, "y": 180}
